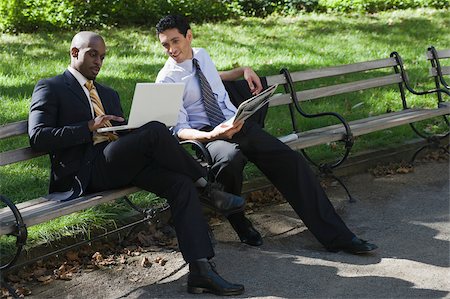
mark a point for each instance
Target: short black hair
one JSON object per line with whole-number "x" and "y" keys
{"x": 173, "y": 21}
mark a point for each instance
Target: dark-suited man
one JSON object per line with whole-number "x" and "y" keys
{"x": 65, "y": 113}
{"x": 231, "y": 145}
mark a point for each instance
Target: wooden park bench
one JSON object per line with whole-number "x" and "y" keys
{"x": 305, "y": 88}
{"x": 16, "y": 218}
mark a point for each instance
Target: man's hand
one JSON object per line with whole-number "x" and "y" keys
{"x": 226, "y": 131}
{"x": 99, "y": 121}
{"x": 254, "y": 83}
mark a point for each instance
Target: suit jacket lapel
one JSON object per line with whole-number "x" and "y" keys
{"x": 76, "y": 88}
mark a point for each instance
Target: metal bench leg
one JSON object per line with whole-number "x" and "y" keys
{"x": 10, "y": 289}
{"x": 149, "y": 215}
{"x": 350, "y": 197}
{"x": 330, "y": 174}
{"x": 433, "y": 142}
{"x": 21, "y": 232}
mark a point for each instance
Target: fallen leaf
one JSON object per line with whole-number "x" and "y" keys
{"x": 122, "y": 259}
{"x": 404, "y": 170}
{"x": 5, "y": 293}
{"x": 23, "y": 291}
{"x": 97, "y": 257}
{"x": 44, "y": 278}
{"x": 145, "y": 262}
{"x": 65, "y": 276}
{"x": 160, "y": 260}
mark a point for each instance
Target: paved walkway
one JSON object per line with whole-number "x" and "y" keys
{"x": 406, "y": 215}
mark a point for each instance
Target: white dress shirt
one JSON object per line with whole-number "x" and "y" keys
{"x": 193, "y": 115}
{"x": 82, "y": 80}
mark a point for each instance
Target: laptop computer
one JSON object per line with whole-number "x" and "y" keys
{"x": 153, "y": 101}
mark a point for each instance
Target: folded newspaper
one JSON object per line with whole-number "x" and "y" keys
{"x": 250, "y": 106}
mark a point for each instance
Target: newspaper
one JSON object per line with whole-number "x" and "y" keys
{"x": 250, "y": 106}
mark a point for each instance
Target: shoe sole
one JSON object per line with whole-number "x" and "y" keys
{"x": 361, "y": 251}
{"x": 198, "y": 290}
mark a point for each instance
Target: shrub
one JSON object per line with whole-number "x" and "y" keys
{"x": 378, "y": 5}
{"x": 262, "y": 8}
{"x": 32, "y": 15}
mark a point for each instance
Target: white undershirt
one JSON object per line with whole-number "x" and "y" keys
{"x": 82, "y": 80}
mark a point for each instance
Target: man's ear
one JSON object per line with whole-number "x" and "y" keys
{"x": 74, "y": 52}
{"x": 189, "y": 35}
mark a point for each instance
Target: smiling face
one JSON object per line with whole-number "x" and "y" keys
{"x": 87, "y": 54}
{"x": 176, "y": 44}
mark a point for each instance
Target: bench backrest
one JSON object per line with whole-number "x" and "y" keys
{"x": 437, "y": 69}
{"x": 20, "y": 154}
{"x": 436, "y": 57}
{"x": 320, "y": 92}
{"x": 391, "y": 73}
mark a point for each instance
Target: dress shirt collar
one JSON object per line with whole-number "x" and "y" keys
{"x": 80, "y": 78}
{"x": 188, "y": 64}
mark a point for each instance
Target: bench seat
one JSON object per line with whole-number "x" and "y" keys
{"x": 41, "y": 209}
{"x": 364, "y": 126}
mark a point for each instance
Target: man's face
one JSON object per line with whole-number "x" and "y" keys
{"x": 176, "y": 44}
{"x": 88, "y": 60}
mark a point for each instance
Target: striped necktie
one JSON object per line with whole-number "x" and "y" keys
{"x": 99, "y": 111}
{"x": 212, "y": 108}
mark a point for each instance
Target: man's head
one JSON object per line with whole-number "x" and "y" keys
{"x": 175, "y": 36}
{"x": 87, "y": 52}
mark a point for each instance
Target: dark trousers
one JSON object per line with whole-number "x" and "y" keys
{"x": 289, "y": 173}
{"x": 151, "y": 159}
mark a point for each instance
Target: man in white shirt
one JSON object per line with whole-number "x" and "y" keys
{"x": 231, "y": 145}
{"x": 189, "y": 122}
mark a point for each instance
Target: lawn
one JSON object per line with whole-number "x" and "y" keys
{"x": 134, "y": 55}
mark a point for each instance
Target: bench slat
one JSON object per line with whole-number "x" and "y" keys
{"x": 46, "y": 210}
{"x": 444, "y": 69}
{"x": 316, "y": 93}
{"x": 348, "y": 87}
{"x": 275, "y": 79}
{"x": 441, "y": 54}
{"x": 281, "y": 99}
{"x": 6, "y": 212}
{"x": 364, "y": 126}
{"x": 13, "y": 129}
{"x": 18, "y": 155}
{"x": 343, "y": 69}
{"x": 333, "y": 71}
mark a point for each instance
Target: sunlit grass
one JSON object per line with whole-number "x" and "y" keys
{"x": 302, "y": 42}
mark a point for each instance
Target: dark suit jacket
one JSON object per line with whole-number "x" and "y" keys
{"x": 58, "y": 124}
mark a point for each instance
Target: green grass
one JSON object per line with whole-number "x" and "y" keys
{"x": 303, "y": 42}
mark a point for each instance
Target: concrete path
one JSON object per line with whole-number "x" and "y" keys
{"x": 406, "y": 215}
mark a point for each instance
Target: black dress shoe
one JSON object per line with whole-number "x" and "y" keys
{"x": 355, "y": 246}
{"x": 225, "y": 203}
{"x": 203, "y": 278}
{"x": 245, "y": 230}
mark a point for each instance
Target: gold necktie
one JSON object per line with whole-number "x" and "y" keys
{"x": 99, "y": 111}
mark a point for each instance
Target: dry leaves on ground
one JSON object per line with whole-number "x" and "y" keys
{"x": 99, "y": 255}
{"x": 261, "y": 198}
{"x": 392, "y": 168}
